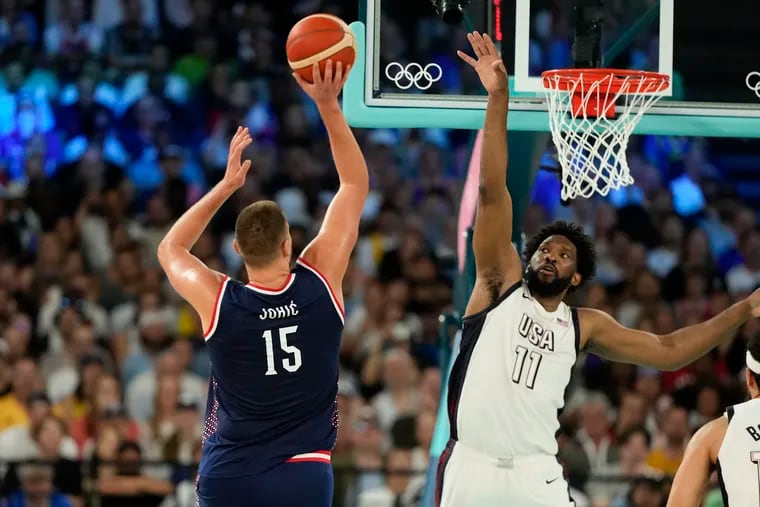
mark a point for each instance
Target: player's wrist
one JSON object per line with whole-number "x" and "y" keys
{"x": 330, "y": 105}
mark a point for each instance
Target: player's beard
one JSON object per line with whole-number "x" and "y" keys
{"x": 545, "y": 289}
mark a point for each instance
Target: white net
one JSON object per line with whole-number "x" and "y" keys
{"x": 591, "y": 118}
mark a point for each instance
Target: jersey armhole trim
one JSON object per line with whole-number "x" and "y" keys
{"x": 577, "y": 329}
{"x": 217, "y": 306}
{"x": 333, "y": 297}
{"x": 729, "y": 412}
{"x": 512, "y": 288}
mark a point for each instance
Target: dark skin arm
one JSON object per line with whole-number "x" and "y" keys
{"x": 605, "y": 337}
{"x": 497, "y": 263}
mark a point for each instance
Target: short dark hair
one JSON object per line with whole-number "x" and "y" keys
{"x": 753, "y": 346}
{"x": 628, "y": 434}
{"x": 259, "y": 230}
{"x": 584, "y": 245}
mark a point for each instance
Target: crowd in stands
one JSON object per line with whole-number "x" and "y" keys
{"x": 115, "y": 116}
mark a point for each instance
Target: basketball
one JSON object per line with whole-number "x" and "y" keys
{"x": 318, "y": 38}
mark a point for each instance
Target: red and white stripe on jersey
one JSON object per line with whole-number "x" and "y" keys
{"x": 333, "y": 297}
{"x": 215, "y": 317}
{"x": 319, "y": 456}
{"x": 273, "y": 292}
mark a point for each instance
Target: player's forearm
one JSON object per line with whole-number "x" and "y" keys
{"x": 493, "y": 161}
{"x": 688, "y": 344}
{"x": 186, "y": 231}
{"x": 349, "y": 160}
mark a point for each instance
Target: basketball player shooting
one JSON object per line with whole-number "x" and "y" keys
{"x": 520, "y": 340}
{"x": 730, "y": 444}
{"x": 271, "y": 418}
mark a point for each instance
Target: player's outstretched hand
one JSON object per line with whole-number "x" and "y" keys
{"x": 325, "y": 88}
{"x": 234, "y": 175}
{"x": 487, "y": 63}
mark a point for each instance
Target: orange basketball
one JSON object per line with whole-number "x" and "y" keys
{"x": 318, "y": 38}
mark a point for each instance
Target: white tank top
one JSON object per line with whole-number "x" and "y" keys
{"x": 508, "y": 383}
{"x": 739, "y": 456}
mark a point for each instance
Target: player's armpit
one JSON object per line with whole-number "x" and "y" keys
{"x": 694, "y": 471}
{"x": 192, "y": 280}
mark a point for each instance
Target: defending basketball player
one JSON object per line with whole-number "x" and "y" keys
{"x": 271, "y": 418}
{"x": 520, "y": 340}
{"x": 729, "y": 444}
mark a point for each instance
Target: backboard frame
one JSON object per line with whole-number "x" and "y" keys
{"x": 531, "y": 115}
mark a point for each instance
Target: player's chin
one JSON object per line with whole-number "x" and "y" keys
{"x": 547, "y": 276}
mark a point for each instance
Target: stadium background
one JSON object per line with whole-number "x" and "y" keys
{"x": 116, "y": 115}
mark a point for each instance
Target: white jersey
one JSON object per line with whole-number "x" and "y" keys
{"x": 508, "y": 383}
{"x": 739, "y": 456}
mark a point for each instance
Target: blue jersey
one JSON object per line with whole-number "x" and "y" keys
{"x": 274, "y": 375}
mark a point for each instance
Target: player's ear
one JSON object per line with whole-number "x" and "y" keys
{"x": 750, "y": 379}
{"x": 576, "y": 279}
{"x": 236, "y": 247}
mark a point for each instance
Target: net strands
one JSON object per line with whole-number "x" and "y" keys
{"x": 592, "y": 114}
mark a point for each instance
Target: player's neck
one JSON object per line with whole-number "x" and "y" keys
{"x": 272, "y": 276}
{"x": 550, "y": 304}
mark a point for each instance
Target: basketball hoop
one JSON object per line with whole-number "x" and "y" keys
{"x": 592, "y": 113}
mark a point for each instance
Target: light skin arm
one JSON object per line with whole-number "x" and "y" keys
{"x": 604, "y": 336}
{"x": 497, "y": 264}
{"x": 331, "y": 250}
{"x": 694, "y": 471}
{"x": 193, "y": 280}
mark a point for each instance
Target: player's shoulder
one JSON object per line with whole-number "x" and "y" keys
{"x": 487, "y": 296}
{"x": 710, "y": 436}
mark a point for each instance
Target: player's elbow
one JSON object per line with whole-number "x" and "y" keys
{"x": 164, "y": 253}
{"x": 669, "y": 357}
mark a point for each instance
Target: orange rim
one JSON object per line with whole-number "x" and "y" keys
{"x": 568, "y": 79}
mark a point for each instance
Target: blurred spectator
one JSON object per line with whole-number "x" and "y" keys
{"x": 37, "y": 488}
{"x": 668, "y": 453}
{"x": 13, "y": 406}
{"x": 125, "y": 484}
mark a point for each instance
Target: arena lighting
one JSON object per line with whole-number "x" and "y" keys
{"x": 450, "y": 11}
{"x": 497, "y": 35}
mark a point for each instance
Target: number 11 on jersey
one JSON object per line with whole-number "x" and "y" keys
{"x": 534, "y": 361}
{"x": 290, "y": 364}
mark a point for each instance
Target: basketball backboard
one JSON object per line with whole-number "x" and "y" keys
{"x": 710, "y": 52}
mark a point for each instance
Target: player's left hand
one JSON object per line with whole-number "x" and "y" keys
{"x": 754, "y": 303}
{"x": 325, "y": 88}
{"x": 234, "y": 175}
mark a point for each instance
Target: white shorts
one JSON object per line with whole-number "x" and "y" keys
{"x": 469, "y": 478}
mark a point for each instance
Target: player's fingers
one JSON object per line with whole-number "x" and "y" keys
{"x": 478, "y": 44}
{"x": 338, "y": 77}
{"x": 488, "y": 44}
{"x": 246, "y": 165}
{"x": 467, "y": 58}
{"x": 316, "y": 75}
{"x": 345, "y": 76}
{"x": 328, "y": 77}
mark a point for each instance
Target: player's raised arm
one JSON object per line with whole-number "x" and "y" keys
{"x": 330, "y": 251}
{"x": 604, "y": 336}
{"x": 496, "y": 261}
{"x": 192, "y": 279}
{"x": 694, "y": 471}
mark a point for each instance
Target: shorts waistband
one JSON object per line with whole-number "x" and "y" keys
{"x": 319, "y": 456}
{"x": 507, "y": 461}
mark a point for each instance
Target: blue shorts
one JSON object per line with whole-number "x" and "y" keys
{"x": 287, "y": 485}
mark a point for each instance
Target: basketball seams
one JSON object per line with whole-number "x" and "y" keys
{"x": 348, "y": 41}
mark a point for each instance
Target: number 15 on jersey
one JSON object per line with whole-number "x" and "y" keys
{"x": 293, "y": 360}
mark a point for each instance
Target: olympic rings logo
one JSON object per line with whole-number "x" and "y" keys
{"x": 753, "y": 82}
{"x": 413, "y": 74}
